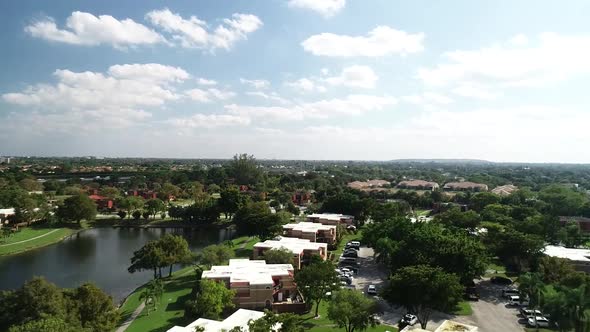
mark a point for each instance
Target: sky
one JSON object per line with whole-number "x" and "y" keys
{"x": 499, "y": 80}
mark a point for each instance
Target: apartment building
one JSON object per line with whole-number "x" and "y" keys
{"x": 302, "y": 249}
{"x": 314, "y": 232}
{"x": 259, "y": 285}
{"x": 239, "y": 318}
{"x": 331, "y": 218}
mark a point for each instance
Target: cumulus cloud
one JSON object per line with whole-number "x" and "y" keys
{"x": 427, "y": 98}
{"x": 153, "y": 72}
{"x": 209, "y": 95}
{"x": 256, "y": 84}
{"x": 326, "y": 8}
{"x": 381, "y": 41}
{"x": 356, "y": 77}
{"x": 193, "y": 32}
{"x": 304, "y": 85}
{"x": 517, "y": 62}
{"x": 86, "y": 29}
{"x": 273, "y": 96}
{"x": 208, "y": 121}
{"x": 204, "y": 81}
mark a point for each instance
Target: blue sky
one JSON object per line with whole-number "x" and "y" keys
{"x": 297, "y": 79}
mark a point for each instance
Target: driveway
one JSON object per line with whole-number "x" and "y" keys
{"x": 490, "y": 313}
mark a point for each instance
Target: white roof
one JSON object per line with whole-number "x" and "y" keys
{"x": 579, "y": 255}
{"x": 295, "y": 245}
{"x": 330, "y": 216}
{"x": 450, "y": 326}
{"x": 254, "y": 272}
{"x": 309, "y": 227}
{"x": 7, "y": 212}
{"x": 238, "y": 318}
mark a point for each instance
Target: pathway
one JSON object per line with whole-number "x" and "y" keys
{"x": 31, "y": 239}
{"x": 131, "y": 318}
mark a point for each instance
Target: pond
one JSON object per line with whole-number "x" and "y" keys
{"x": 99, "y": 255}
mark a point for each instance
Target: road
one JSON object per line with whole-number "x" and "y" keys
{"x": 490, "y": 314}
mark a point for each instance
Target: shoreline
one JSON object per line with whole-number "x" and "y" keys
{"x": 42, "y": 245}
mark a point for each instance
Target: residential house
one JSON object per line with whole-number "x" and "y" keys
{"x": 102, "y": 203}
{"x": 465, "y": 186}
{"x": 302, "y": 249}
{"x": 301, "y": 197}
{"x": 505, "y": 190}
{"x": 580, "y": 258}
{"x": 418, "y": 185}
{"x": 361, "y": 185}
{"x": 331, "y": 218}
{"x": 239, "y": 318}
{"x": 259, "y": 285}
{"x": 314, "y": 232}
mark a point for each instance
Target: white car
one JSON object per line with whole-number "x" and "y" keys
{"x": 530, "y": 312}
{"x": 540, "y": 322}
{"x": 409, "y": 319}
{"x": 515, "y": 300}
{"x": 372, "y": 290}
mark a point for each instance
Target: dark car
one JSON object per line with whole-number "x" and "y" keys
{"x": 350, "y": 253}
{"x": 501, "y": 280}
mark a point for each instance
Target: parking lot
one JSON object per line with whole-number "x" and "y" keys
{"x": 490, "y": 313}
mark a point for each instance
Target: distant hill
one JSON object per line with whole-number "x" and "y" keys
{"x": 443, "y": 161}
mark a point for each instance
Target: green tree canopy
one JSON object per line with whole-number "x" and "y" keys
{"x": 352, "y": 310}
{"x": 77, "y": 208}
{"x": 278, "y": 256}
{"x": 215, "y": 254}
{"x": 315, "y": 280}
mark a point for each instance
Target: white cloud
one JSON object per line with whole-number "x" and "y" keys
{"x": 515, "y": 63}
{"x": 208, "y": 121}
{"x": 153, "y": 72}
{"x": 351, "y": 105}
{"x": 209, "y": 95}
{"x": 272, "y": 96}
{"x": 256, "y": 84}
{"x": 87, "y": 29}
{"x": 381, "y": 41}
{"x": 326, "y": 8}
{"x": 195, "y": 33}
{"x": 356, "y": 77}
{"x": 204, "y": 81}
{"x": 304, "y": 85}
{"x": 427, "y": 98}
{"x": 476, "y": 91}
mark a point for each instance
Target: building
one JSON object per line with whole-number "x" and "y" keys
{"x": 102, "y": 203}
{"x": 5, "y": 215}
{"x": 505, "y": 190}
{"x": 314, "y": 232}
{"x": 368, "y": 184}
{"x": 580, "y": 258}
{"x": 583, "y": 222}
{"x": 330, "y": 218}
{"x": 239, "y": 318}
{"x": 4, "y": 160}
{"x": 446, "y": 326}
{"x": 302, "y": 249}
{"x": 418, "y": 185}
{"x": 259, "y": 285}
{"x": 465, "y": 186}
{"x": 301, "y": 197}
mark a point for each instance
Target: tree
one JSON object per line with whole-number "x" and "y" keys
{"x": 155, "y": 205}
{"x": 570, "y": 235}
{"x": 94, "y": 308}
{"x": 315, "y": 280}
{"x": 530, "y": 286}
{"x": 136, "y": 214}
{"x": 555, "y": 269}
{"x": 77, "y": 208}
{"x": 515, "y": 248}
{"x": 110, "y": 192}
{"x": 213, "y": 299}
{"x": 286, "y": 322}
{"x": 462, "y": 220}
{"x": 255, "y": 219}
{"x": 352, "y": 310}
{"x": 149, "y": 257}
{"x": 244, "y": 170}
{"x": 422, "y": 289}
{"x": 480, "y": 200}
{"x": 46, "y": 324}
{"x": 348, "y": 203}
{"x": 151, "y": 294}
{"x": 231, "y": 200}
{"x": 556, "y": 304}
{"x": 563, "y": 201}
{"x": 215, "y": 254}
{"x": 122, "y": 214}
{"x": 278, "y": 256}
{"x": 29, "y": 185}
{"x": 130, "y": 204}
{"x": 175, "y": 249}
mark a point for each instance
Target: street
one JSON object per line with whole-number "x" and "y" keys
{"x": 490, "y": 313}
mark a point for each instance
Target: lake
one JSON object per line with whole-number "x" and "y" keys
{"x": 99, "y": 255}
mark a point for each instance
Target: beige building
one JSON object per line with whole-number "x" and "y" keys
{"x": 302, "y": 249}
{"x": 314, "y": 232}
{"x": 331, "y": 218}
{"x": 418, "y": 185}
{"x": 239, "y": 318}
{"x": 465, "y": 186}
{"x": 259, "y": 285}
{"x": 505, "y": 190}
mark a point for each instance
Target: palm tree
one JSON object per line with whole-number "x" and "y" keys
{"x": 578, "y": 303}
{"x": 151, "y": 294}
{"x": 531, "y": 286}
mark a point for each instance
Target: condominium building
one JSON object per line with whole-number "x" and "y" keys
{"x": 331, "y": 218}
{"x": 302, "y": 249}
{"x": 314, "y": 232}
{"x": 259, "y": 285}
{"x": 239, "y": 318}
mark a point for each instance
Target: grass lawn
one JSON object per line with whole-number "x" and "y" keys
{"x": 46, "y": 236}
{"x": 463, "y": 309}
{"x": 248, "y": 245}
{"x": 323, "y": 324}
{"x": 501, "y": 270}
{"x": 170, "y": 310}
{"x": 421, "y": 213}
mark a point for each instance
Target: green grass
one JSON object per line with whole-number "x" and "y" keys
{"x": 10, "y": 246}
{"x": 502, "y": 271}
{"x": 463, "y": 308}
{"x": 421, "y": 213}
{"x": 248, "y": 243}
{"x": 323, "y": 324}
{"x": 170, "y": 310}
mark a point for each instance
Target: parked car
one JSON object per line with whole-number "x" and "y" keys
{"x": 348, "y": 260}
{"x": 372, "y": 290}
{"x": 526, "y": 312}
{"x": 515, "y": 300}
{"x": 352, "y": 254}
{"x": 508, "y": 292}
{"x": 540, "y": 321}
{"x": 348, "y": 280}
{"x": 501, "y": 280}
{"x": 409, "y": 319}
